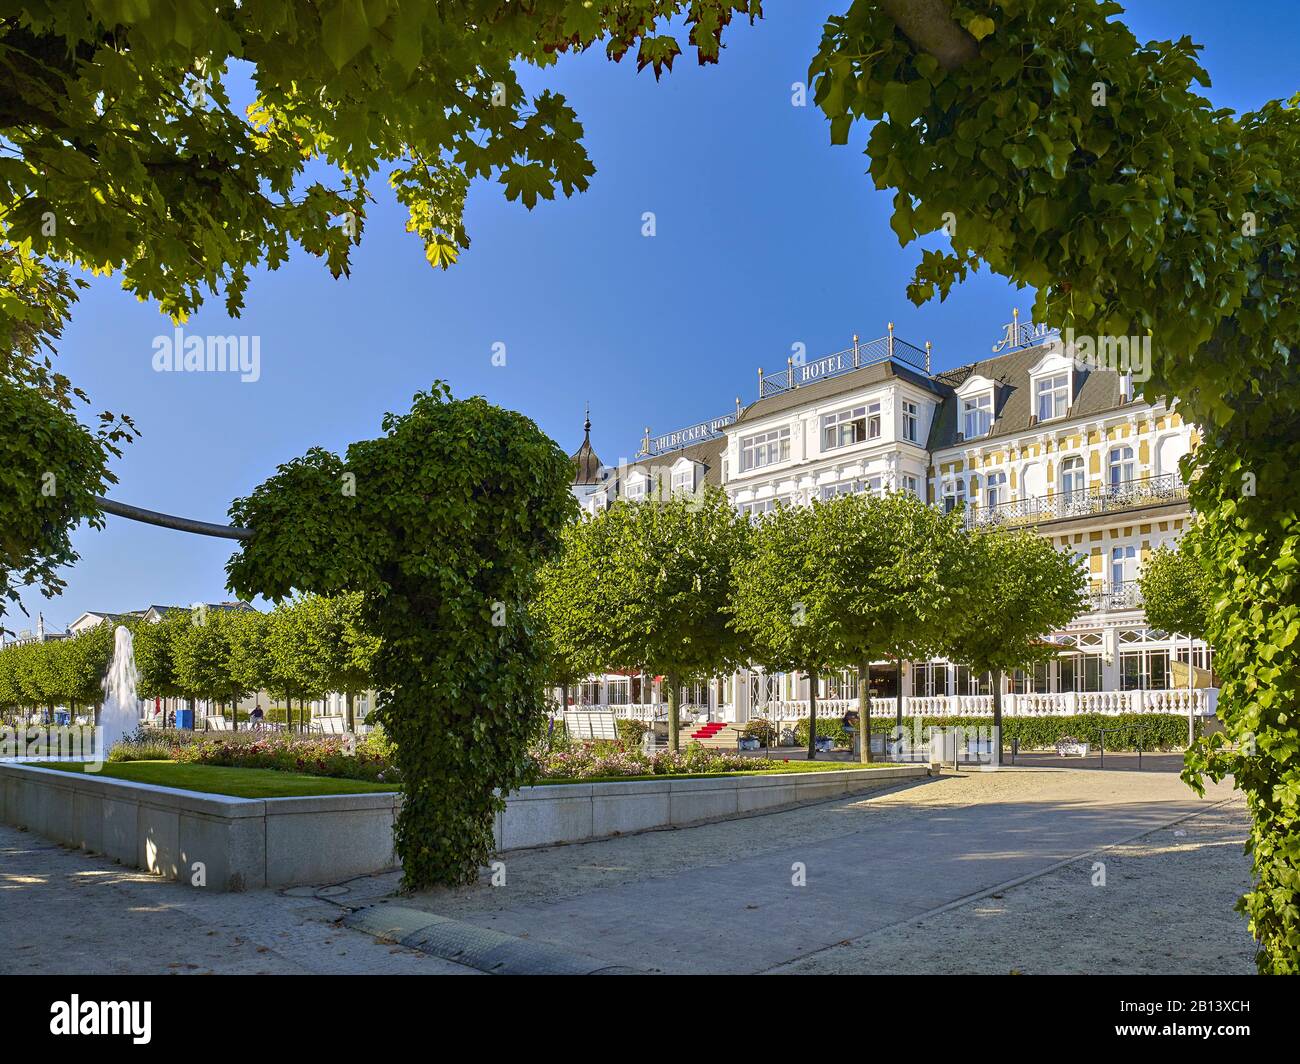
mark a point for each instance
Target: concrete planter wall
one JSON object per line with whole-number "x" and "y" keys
{"x": 243, "y": 843}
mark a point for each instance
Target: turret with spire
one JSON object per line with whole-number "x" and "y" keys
{"x": 586, "y": 466}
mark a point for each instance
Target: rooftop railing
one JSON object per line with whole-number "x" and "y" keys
{"x": 796, "y": 374}
{"x": 1085, "y": 502}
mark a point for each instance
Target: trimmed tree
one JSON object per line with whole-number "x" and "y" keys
{"x": 294, "y": 668}
{"x": 787, "y": 596}
{"x": 155, "y": 662}
{"x": 1177, "y": 589}
{"x": 336, "y": 637}
{"x": 646, "y": 584}
{"x": 443, "y": 523}
{"x": 201, "y": 657}
{"x": 902, "y": 575}
{"x": 1022, "y": 589}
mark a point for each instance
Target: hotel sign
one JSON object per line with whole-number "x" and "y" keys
{"x": 1017, "y": 334}
{"x": 705, "y": 430}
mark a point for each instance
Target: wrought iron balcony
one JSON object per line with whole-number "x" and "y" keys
{"x": 1126, "y": 595}
{"x": 1143, "y": 491}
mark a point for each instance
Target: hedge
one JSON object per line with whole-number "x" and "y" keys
{"x": 1156, "y": 731}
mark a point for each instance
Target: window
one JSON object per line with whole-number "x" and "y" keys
{"x": 763, "y": 506}
{"x": 1037, "y": 681}
{"x": 912, "y": 484}
{"x": 765, "y": 449}
{"x": 954, "y": 494}
{"x": 911, "y": 420}
{"x": 929, "y": 678}
{"x": 1080, "y": 672}
{"x": 1144, "y": 670}
{"x": 637, "y": 487}
{"x": 977, "y": 415}
{"x": 995, "y": 489}
{"x": 850, "y": 426}
{"x": 589, "y": 693}
{"x": 1121, "y": 467}
{"x": 1072, "y": 482}
{"x": 1123, "y": 565}
{"x": 617, "y": 691}
{"x": 968, "y": 683}
{"x": 851, "y": 487}
{"x": 684, "y": 479}
{"x": 1053, "y": 396}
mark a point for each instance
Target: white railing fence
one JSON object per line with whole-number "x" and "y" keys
{"x": 1202, "y": 702}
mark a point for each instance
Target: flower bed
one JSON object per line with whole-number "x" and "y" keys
{"x": 340, "y": 757}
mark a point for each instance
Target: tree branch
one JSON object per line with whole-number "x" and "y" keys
{"x": 929, "y": 25}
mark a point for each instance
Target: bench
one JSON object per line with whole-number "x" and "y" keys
{"x": 590, "y": 724}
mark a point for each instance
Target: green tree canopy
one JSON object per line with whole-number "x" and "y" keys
{"x": 201, "y": 657}
{"x": 645, "y": 586}
{"x": 443, "y": 523}
{"x": 787, "y": 595}
{"x": 1177, "y": 589}
{"x": 1022, "y": 590}
{"x": 904, "y": 577}
{"x": 1050, "y": 144}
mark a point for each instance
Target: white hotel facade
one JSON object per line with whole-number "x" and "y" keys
{"x": 1026, "y": 437}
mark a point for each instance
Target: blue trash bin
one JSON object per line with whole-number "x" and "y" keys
{"x": 185, "y": 718}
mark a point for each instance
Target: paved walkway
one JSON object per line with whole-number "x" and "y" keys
{"x": 65, "y": 912}
{"x": 923, "y": 878}
{"x": 721, "y": 897}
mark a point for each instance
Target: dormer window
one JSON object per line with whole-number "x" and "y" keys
{"x": 911, "y": 420}
{"x": 684, "y": 477}
{"x": 638, "y": 485}
{"x": 1052, "y": 396}
{"x": 977, "y": 415}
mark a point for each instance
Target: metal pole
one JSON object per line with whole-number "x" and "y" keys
{"x": 180, "y": 524}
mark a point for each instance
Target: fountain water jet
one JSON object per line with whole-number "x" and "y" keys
{"x": 121, "y": 714}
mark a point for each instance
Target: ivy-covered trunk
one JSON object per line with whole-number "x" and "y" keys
{"x": 349, "y": 715}
{"x": 812, "y": 714}
{"x": 864, "y": 713}
{"x": 673, "y": 696}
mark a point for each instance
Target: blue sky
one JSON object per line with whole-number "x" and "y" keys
{"x": 766, "y": 236}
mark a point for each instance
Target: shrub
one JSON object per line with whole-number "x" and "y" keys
{"x": 631, "y": 733}
{"x": 763, "y": 730}
{"x": 827, "y": 728}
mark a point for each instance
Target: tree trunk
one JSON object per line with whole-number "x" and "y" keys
{"x": 864, "y": 714}
{"x": 674, "y": 693}
{"x": 348, "y": 713}
{"x": 997, "y": 716}
{"x": 898, "y": 705}
{"x": 812, "y": 714}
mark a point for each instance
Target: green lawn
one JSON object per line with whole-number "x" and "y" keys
{"x": 221, "y": 779}
{"x": 273, "y": 783}
{"x": 779, "y": 768}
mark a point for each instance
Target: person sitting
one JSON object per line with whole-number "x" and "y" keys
{"x": 255, "y": 718}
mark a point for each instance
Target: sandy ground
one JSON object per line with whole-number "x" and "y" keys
{"x": 66, "y": 912}
{"x": 1164, "y": 905}
{"x": 972, "y": 872}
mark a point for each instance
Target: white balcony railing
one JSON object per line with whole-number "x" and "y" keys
{"x": 1202, "y": 702}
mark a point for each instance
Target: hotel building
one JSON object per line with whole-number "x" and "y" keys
{"x": 1026, "y": 437}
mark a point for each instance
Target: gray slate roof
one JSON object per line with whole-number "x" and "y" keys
{"x": 1097, "y": 392}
